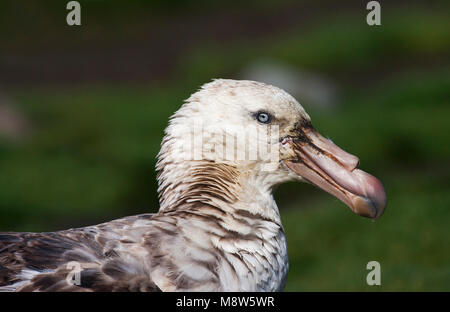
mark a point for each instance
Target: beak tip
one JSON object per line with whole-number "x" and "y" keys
{"x": 368, "y": 208}
{"x": 373, "y": 199}
{"x": 379, "y": 209}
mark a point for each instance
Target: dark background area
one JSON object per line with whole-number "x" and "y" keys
{"x": 83, "y": 109}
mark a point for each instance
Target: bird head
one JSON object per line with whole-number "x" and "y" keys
{"x": 266, "y": 134}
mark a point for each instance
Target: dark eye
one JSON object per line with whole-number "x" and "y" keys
{"x": 263, "y": 117}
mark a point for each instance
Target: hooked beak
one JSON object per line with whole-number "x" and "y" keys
{"x": 327, "y": 166}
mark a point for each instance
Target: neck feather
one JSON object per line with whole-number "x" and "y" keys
{"x": 188, "y": 185}
{"x": 189, "y": 182}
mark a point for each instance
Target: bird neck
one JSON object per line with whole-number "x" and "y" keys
{"x": 189, "y": 185}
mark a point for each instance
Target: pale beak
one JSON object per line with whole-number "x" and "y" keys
{"x": 325, "y": 165}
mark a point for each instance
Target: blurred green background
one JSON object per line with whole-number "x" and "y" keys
{"x": 83, "y": 109}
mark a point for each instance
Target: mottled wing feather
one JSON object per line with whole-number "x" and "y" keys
{"x": 39, "y": 261}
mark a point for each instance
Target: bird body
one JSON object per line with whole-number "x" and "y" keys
{"x": 150, "y": 252}
{"x": 218, "y": 227}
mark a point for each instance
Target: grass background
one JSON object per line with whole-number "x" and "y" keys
{"x": 90, "y": 152}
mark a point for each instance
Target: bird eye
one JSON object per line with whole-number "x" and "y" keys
{"x": 263, "y": 117}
